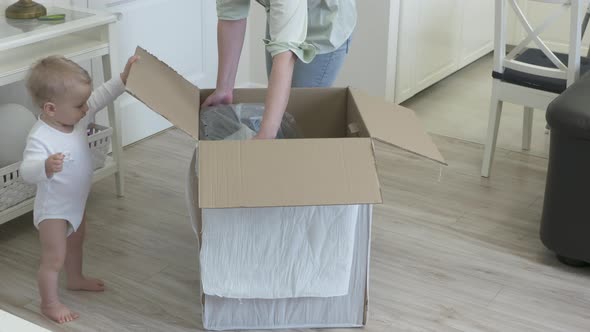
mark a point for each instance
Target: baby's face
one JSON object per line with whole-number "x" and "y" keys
{"x": 72, "y": 107}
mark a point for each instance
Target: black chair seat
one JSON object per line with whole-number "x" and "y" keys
{"x": 535, "y": 56}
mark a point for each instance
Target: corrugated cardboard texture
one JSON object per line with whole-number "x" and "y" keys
{"x": 318, "y": 112}
{"x": 395, "y": 125}
{"x": 354, "y": 119}
{"x": 287, "y": 173}
{"x": 192, "y": 193}
{"x": 165, "y": 91}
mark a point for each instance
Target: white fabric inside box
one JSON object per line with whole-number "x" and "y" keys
{"x": 278, "y": 252}
{"x": 306, "y": 312}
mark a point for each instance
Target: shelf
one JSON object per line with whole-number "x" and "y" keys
{"x": 16, "y": 62}
{"x": 18, "y": 33}
{"x": 27, "y": 205}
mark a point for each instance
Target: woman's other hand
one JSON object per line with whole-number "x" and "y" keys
{"x": 218, "y": 97}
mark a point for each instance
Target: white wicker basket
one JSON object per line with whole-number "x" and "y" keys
{"x": 99, "y": 141}
{"x": 14, "y": 190}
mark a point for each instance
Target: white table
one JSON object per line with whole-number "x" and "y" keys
{"x": 9, "y": 322}
{"x": 84, "y": 34}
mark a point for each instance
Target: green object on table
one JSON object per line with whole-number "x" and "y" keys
{"x": 54, "y": 17}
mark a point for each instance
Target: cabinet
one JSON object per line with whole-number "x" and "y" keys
{"x": 439, "y": 37}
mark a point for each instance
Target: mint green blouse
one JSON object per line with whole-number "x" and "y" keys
{"x": 305, "y": 27}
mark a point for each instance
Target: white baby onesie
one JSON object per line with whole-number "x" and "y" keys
{"x": 63, "y": 196}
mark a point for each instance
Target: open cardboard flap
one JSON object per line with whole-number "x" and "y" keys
{"x": 165, "y": 91}
{"x": 295, "y": 172}
{"x": 395, "y": 125}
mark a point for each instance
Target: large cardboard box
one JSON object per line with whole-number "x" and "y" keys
{"x": 333, "y": 165}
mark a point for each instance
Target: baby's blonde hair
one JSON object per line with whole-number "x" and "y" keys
{"x": 50, "y": 78}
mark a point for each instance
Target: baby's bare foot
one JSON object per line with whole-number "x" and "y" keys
{"x": 59, "y": 313}
{"x": 86, "y": 284}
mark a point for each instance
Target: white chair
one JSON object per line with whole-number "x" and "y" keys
{"x": 531, "y": 77}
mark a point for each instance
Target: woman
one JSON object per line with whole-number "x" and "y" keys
{"x": 307, "y": 41}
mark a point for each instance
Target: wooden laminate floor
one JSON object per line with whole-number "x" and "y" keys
{"x": 450, "y": 251}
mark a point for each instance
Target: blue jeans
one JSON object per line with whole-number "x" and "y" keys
{"x": 320, "y": 72}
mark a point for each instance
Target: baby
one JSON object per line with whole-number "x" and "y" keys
{"x": 58, "y": 160}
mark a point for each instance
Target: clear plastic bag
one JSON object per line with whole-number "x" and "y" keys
{"x": 240, "y": 122}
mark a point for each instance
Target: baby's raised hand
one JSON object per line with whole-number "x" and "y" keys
{"x": 54, "y": 164}
{"x": 127, "y": 69}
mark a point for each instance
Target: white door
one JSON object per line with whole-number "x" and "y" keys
{"x": 439, "y": 37}
{"x": 438, "y": 28}
{"x": 182, "y": 33}
{"x": 477, "y": 30}
{"x": 429, "y": 41}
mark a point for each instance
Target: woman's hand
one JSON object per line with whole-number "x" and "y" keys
{"x": 263, "y": 135}
{"x": 127, "y": 69}
{"x": 218, "y": 97}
